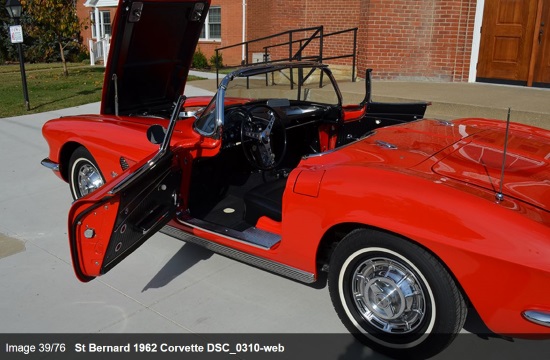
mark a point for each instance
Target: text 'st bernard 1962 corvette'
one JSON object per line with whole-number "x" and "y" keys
{"x": 416, "y": 221}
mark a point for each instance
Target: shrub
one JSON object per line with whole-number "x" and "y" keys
{"x": 199, "y": 60}
{"x": 216, "y": 61}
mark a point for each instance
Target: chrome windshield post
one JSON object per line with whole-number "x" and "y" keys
{"x": 173, "y": 119}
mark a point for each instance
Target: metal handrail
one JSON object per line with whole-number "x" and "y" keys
{"x": 296, "y": 55}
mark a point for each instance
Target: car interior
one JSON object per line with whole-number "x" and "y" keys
{"x": 247, "y": 179}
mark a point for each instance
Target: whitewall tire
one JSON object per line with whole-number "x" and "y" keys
{"x": 393, "y": 295}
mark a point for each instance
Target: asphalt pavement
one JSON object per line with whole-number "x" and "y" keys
{"x": 166, "y": 286}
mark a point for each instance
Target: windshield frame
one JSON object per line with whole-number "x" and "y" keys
{"x": 211, "y": 120}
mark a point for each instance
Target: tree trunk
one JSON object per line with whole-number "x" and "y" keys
{"x": 65, "y": 70}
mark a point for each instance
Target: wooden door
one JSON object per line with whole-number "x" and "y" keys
{"x": 507, "y": 40}
{"x": 541, "y": 74}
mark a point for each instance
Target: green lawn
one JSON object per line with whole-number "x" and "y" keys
{"x": 48, "y": 88}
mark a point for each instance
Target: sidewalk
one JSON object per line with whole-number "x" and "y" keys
{"x": 449, "y": 100}
{"x": 456, "y": 100}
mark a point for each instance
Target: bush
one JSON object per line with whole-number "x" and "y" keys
{"x": 199, "y": 60}
{"x": 216, "y": 61}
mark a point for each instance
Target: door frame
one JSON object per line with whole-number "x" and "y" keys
{"x": 476, "y": 42}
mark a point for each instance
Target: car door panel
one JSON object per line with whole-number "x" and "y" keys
{"x": 111, "y": 223}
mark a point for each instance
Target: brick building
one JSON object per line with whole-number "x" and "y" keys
{"x": 431, "y": 40}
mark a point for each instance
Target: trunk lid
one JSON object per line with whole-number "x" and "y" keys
{"x": 479, "y": 161}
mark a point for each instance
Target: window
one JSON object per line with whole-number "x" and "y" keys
{"x": 212, "y": 29}
{"x": 104, "y": 24}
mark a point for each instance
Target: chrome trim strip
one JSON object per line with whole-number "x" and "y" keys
{"x": 50, "y": 164}
{"x": 538, "y": 317}
{"x": 251, "y": 236}
{"x": 385, "y": 145}
{"x": 445, "y": 123}
{"x": 254, "y": 260}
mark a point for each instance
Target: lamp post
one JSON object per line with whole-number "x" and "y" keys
{"x": 15, "y": 9}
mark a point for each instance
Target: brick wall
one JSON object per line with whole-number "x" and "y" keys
{"x": 417, "y": 39}
{"x": 231, "y": 12}
{"x": 83, "y": 14}
{"x": 400, "y": 39}
{"x": 333, "y": 15}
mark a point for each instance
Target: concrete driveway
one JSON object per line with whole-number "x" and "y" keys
{"x": 166, "y": 286}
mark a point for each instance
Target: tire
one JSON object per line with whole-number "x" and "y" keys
{"x": 84, "y": 174}
{"x": 405, "y": 304}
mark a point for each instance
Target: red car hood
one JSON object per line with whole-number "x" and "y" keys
{"x": 479, "y": 160}
{"x": 151, "y": 51}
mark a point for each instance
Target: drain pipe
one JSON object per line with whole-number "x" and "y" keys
{"x": 244, "y": 32}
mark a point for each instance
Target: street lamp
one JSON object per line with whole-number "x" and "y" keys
{"x": 15, "y": 9}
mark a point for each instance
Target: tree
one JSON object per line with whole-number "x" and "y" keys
{"x": 55, "y": 23}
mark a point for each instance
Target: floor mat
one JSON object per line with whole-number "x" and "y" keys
{"x": 229, "y": 213}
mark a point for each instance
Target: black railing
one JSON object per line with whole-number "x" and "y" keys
{"x": 293, "y": 53}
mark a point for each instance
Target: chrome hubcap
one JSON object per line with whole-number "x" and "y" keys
{"x": 388, "y": 295}
{"x": 89, "y": 179}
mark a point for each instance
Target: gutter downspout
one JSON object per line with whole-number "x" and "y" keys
{"x": 244, "y": 32}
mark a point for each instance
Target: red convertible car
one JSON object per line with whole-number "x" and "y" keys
{"x": 416, "y": 221}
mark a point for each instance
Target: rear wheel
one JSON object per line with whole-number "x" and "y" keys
{"x": 84, "y": 174}
{"x": 394, "y": 296}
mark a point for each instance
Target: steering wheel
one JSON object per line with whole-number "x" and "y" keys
{"x": 263, "y": 137}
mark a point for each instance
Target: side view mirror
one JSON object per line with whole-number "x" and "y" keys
{"x": 156, "y": 134}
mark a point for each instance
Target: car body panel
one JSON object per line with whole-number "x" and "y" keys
{"x": 480, "y": 161}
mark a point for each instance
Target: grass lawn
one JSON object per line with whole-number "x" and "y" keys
{"x": 48, "y": 88}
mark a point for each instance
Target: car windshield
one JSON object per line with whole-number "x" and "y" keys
{"x": 288, "y": 84}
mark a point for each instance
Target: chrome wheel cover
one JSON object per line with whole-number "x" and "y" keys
{"x": 88, "y": 179}
{"x": 388, "y": 295}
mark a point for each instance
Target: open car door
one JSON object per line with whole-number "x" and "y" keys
{"x": 110, "y": 223}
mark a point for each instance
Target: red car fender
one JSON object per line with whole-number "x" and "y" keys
{"x": 450, "y": 223}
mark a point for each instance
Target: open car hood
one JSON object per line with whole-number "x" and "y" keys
{"x": 151, "y": 52}
{"x": 526, "y": 168}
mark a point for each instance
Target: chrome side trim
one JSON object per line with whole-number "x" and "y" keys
{"x": 251, "y": 236}
{"x": 254, "y": 260}
{"x": 385, "y": 145}
{"x": 445, "y": 123}
{"x": 537, "y": 317}
{"x": 50, "y": 164}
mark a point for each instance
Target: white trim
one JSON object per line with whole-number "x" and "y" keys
{"x": 97, "y": 24}
{"x": 476, "y": 40}
{"x": 101, "y": 3}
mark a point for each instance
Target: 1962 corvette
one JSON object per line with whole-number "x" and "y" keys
{"x": 415, "y": 220}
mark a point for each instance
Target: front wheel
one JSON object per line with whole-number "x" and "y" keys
{"x": 394, "y": 296}
{"x": 84, "y": 174}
